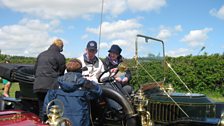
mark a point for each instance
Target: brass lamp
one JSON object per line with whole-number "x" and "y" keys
{"x": 55, "y": 115}
{"x": 141, "y": 102}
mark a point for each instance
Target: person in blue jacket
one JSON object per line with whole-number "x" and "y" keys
{"x": 75, "y": 92}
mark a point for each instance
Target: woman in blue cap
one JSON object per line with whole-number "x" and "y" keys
{"x": 113, "y": 59}
{"x": 122, "y": 78}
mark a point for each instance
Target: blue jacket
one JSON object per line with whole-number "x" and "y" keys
{"x": 75, "y": 95}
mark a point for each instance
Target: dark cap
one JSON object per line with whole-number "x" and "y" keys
{"x": 92, "y": 45}
{"x": 115, "y": 49}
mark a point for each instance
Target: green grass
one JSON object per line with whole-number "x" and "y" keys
{"x": 214, "y": 96}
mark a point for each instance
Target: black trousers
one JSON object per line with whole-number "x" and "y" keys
{"x": 41, "y": 97}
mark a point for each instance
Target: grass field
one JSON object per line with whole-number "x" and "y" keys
{"x": 214, "y": 96}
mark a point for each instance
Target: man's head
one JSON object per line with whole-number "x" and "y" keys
{"x": 74, "y": 65}
{"x": 59, "y": 44}
{"x": 91, "y": 49}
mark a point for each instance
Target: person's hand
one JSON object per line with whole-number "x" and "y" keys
{"x": 113, "y": 70}
{"x": 118, "y": 79}
{"x": 125, "y": 80}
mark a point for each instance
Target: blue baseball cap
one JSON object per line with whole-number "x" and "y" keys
{"x": 92, "y": 45}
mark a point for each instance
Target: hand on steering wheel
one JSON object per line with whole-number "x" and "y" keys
{"x": 110, "y": 77}
{"x": 113, "y": 70}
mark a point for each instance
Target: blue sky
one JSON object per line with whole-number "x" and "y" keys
{"x": 27, "y": 27}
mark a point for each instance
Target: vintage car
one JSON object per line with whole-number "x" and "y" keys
{"x": 153, "y": 103}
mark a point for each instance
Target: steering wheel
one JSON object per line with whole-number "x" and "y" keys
{"x": 109, "y": 78}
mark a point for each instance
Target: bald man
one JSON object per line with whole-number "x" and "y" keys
{"x": 49, "y": 65}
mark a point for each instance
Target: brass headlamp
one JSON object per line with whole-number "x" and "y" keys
{"x": 55, "y": 115}
{"x": 141, "y": 102}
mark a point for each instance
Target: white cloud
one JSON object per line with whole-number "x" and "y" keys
{"x": 27, "y": 38}
{"x": 121, "y": 42}
{"x": 114, "y": 7}
{"x": 65, "y": 9}
{"x": 179, "y": 52}
{"x": 104, "y": 45}
{"x": 218, "y": 13}
{"x": 127, "y": 45}
{"x": 121, "y": 29}
{"x": 53, "y": 8}
{"x": 178, "y": 28}
{"x": 196, "y": 38}
{"x": 166, "y": 32}
{"x": 146, "y": 5}
{"x": 1, "y": 3}
{"x": 122, "y": 32}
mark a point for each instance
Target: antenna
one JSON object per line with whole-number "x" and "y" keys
{"x": 203, "y": 47}
{"x": 101, "y": 19}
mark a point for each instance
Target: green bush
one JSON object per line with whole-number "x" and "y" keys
{"x": 200, "y": 73}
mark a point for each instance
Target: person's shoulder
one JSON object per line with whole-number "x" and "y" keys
{"x": 106, "y": 60}
{"x": 43, "y": 53}
{"x": 62, "y": 55}
{"x": 120, "y": 59}
{"x": 46, "y": 53}
{"x": 99, "y": 60}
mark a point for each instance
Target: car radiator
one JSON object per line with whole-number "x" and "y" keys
{"x": 168, "y": 112}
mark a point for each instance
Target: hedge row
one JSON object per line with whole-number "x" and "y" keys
{"x": 199, "y": 73}
{"x": 204, "y": 72}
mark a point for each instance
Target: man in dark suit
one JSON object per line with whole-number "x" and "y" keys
{"x": 49, "y": 66}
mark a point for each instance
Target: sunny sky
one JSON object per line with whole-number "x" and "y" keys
{"x": 27, "y": 27}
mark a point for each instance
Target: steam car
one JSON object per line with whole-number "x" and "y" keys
{"x": 153, "y": 103}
